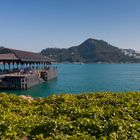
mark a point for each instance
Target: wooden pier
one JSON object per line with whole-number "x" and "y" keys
{"x": 31, "y": 69}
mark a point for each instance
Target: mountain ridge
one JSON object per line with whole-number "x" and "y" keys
{"x": 91, "y": 51}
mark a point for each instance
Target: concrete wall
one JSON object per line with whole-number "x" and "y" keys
{"x": 33, "y": 80}
{"x": 25, "y": 81}
{"x": 52, "y": 74}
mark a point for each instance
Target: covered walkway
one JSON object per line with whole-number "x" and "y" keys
{"x": 14, "y": 61}
{"x": 23, "y": 70}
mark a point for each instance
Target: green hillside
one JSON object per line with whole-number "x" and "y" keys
{"x": 90, "y": 51}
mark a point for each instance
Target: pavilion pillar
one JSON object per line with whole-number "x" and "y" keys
{"x": 4, "y": 65}
{"x": 31, "y": 64}
{"x": 9, "y": 66}
{"x": 41, "y": 65}
{"x": 34, "y": 66}
{"x": 17, "y": 65}
{"x": 21, "y": 65}
{"x": 26, "y": 64}
{"x": 38, "y": 65}
{"x": 13, "y": 65}
{"x": 44, "y": 65}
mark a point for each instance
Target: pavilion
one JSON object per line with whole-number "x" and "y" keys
{"x": 22, "y": 58}
{"x": 17, "y": 77}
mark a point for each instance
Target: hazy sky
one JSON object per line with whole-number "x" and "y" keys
{"x": 36, "y": 24}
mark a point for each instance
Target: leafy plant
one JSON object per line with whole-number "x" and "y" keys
{"x": 103, "y": 116}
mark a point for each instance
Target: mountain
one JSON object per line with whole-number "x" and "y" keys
{"x": 90, "y": 51}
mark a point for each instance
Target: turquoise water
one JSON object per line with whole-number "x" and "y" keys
{"x": 75, "y": 78}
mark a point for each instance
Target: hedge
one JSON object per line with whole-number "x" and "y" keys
{"x": 101, "y": 116}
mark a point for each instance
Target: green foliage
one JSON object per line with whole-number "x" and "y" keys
{"x": 102, "y": 116}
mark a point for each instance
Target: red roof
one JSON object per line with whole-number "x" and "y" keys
{"x": 9, "y": 56}
{"x": 23, "y": 56}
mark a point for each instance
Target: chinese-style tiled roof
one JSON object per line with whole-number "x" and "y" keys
{"x": 23, "y": 56}
{"x": 9, "y": 56}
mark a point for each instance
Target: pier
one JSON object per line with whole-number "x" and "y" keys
{"x": 23, "y": 70}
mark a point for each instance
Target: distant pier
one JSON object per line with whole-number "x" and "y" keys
{"x": 23, "y": 70}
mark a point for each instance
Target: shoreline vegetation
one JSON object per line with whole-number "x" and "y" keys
{"x": 101, "y": 115}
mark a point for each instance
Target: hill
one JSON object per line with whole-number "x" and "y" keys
{"x": 90, "y": 51}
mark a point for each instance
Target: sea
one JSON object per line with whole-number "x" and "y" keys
{"x": 86, "y": 78}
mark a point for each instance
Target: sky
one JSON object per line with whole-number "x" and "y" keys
{"x": 34, "y": 25}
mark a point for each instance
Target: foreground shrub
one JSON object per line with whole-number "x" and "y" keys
{"x": 86, "y": 116}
